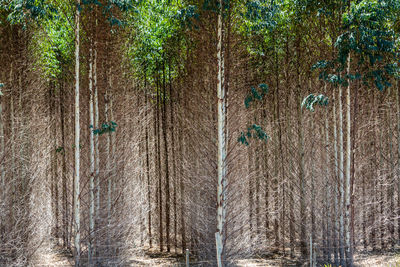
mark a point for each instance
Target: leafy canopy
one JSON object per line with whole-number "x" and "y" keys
{"x": 369, "y": 36}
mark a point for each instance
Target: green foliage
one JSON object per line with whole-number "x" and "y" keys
{"x": 1, "y": 85}
{"x": 312, "y": 100}
{"x": 22, "y": 10}
{"x": 157, "y": 36}
{"x": 106, "y": 127}
{"x": 185, "y": 16}
{"x": 369, "y": 37}
{"x": 256, "y": 95}
{"x": 260, "y": 16}
{"x": 253, "y": 131}
{"x": 258, "y": 21}
{"x": 60, "y": 149}
{"x": 108, "y": 10}
{"x": 53, "y": 46}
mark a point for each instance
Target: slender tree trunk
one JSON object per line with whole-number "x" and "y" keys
{"x": 328, "y": 191}
{"x": 364, "y": 213}
{"x": 280, "y": 147}
{"x": 341, "y": 180}
{"x": 96, "y": 137}
{"x": 390, "y": 188}
{"x": 398, "y": 152}
{"x": 54, "y": 165}
{"x": 175, "y": 180}
{"x": 13, "y": 156}
{"x": 257, "y": 191}
{"x": 160, "y": 198}
{"x": 291, "y": 186}
{"x": 250, "y": 186}
{"x": 167, "y": 178}
{"x": 266, "y": 179}
{"x": 91, "y": 157}
{"x": 110, "y": 150}
{"x": 374, "y": 174}
{"x": 148, "y": 167}
{"x": 96, "y": 144}
{"x": 336, "y": 235}
{"x": 181, "y": 176}
{"x": 221, "y": 113}
{"x": 348, "y": 217}
{"x": 381, "y": 190}
{"x": 302, "y": 182}
{"x": 2, "y": 168}
{"x": 66, "y": 233}
{"x": 313, "y": 196}
{"x": 77, "y": 143}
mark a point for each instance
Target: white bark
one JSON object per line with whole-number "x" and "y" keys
{"x": 96, "y": 126}
{"x": 77, "y": 141}
{"x": 398, "y": 150}
{"x": 2, "y": 168}
{"x": 2, "y": 146}
{"x": 328, "y": 184}
{"x": 335, "y": 203}
{"x": 348, "y": 169}
{"x": 12, "y": 125}
{"x": 110, "y": 147}
{"x": 221, "y": 143}
{"x": 341, "y": 177}
{"x": 92, "y": 157}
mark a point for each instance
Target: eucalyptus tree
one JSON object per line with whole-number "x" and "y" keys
{"x": 156, "y": 32}
{"x": 221, "y": 195}
{"x": 368, "y": 40}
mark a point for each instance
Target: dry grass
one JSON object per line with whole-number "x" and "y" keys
{"x": 55, "y": 257}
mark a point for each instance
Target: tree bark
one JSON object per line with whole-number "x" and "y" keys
{"x": 77, "y": 142}
{"x": 160, "y": 198}
{"x": 167, "y": 178}
{"x": 348, "y": 217}
{"x": 220, "y": 237}
{"x": 341, "y": 182}
{"x": 91, "y": 158}
{"x": 175, "y": 180}
{"x": 336, "y": 235}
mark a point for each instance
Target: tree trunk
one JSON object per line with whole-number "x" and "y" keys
{"x": 160, "y": 198}
{"x": 66, "y": 234}
{"x": 2, "y": 167}
{"x": 96, "y": 137}
{"x": 148, "y": 166}
{"x": 220, "y": 237}
{"x": 328, "y": 191}
{"x": 77, "y": 143}
{"x": 250, "y": 186}
{"x": 341, "y": 181}
{"x": 390, "y": 188}
{"x": 398, "y": 152}
{"x": 348, "y": 217}
{"x": 181, "y": 175}
{"x": 336, "y": 235}
{"x": 167, "y": 185}
{"x": 266, "y": 179}
{"x": 175, "y": 180}
{"x": 91, "y": 157}
{"x": 302, "y": 182}
{"x": 374, "y": 174}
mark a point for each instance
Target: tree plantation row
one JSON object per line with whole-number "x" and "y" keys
{"x": 232, "y": 129}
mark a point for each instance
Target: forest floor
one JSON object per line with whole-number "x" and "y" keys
{"x": 56, "y": 257}
{"x": 51, "y": 255}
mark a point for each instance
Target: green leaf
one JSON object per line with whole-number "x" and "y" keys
{"x": 310, "y": 100}
{"x": 259, "y": 134}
